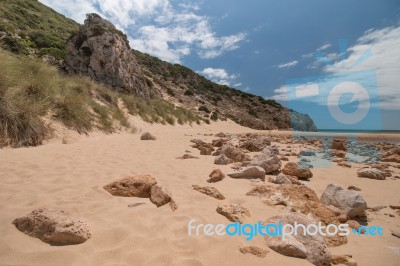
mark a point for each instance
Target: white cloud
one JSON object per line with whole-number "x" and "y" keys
{"x": 324, "y": 47}
{"x": 377, "y": 51}
{"x": 289, "y": 64}
{"x": 157, "y": 27}
{"x": 219, "y": 75}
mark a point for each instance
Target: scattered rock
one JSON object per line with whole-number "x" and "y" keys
{"x": 159, "y": 195}
{"x": 256, "y": 145}
{"x": 394, "y": 207}
{"x": 259, "y": 252}
{"x": 282, "y": 179}
{"x": 134, "y": 186}
{"x": 343, "y": 218}
{"x": 293, "y": 169}
{"x": 307, "y": 153}
{"x": 353, "y": 224}
{"x": 222, "y": 160}
{"x": 343, "y": 259}
{"x": 371, "y": 173}
{"x": 283, "y": 158}
{"x": 249, "y": 172}
{"x": 339, "y": 145}
{"x": 233, "y": 212}
{"x": 269, "y": 162}
{"x": 236, "y": 154}
{"x": 376, "y": 208}
{"x": 215, "y": 176}
{"x": 220, "y": 135}
{"x": 302, "y": 245}
{"x": 53, "y": 227}
{"x": 354, "y": 188}
{"x": 131, "y": 205}
{"x": 349, "y": 201}
{"x": 217, "y": 142}
{"x": 344, "y": 164}
{"x": 187, "y": 156}
{"x": 147, "y": 136}
{"x": 209, "y": 191}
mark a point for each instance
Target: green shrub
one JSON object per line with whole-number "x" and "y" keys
{"x": 203, "y": 108}
{"x": 214, "y": 116}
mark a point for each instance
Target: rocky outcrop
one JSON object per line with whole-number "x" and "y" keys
{"x": 350, "y": 202}
{"x": 257, "y": 144}
{"x": 102, "y": 52}
{"x": 233, "y": 212}
{"x": 54, "y": 227}
{"x": 310, "y": 247}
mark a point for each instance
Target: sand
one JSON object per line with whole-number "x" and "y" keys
{"x": 71, "y": 177}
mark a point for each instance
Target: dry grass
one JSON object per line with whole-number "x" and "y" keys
{"x": 31, "y": 89}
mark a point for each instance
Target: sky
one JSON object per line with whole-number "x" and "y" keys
{"x": 338, "y": 61}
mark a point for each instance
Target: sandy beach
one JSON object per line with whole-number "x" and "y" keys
{"x": 71, "y": 177}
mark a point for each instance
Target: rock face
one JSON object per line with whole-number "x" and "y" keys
{"x": 293, "y": 169}
{"x": 209, "y": 191}
{"x": 249, "y": 172}
{"x": 371, "y": 173}
{"x": 269, "y": 162}
{"x": 215, "y": 176}
{"x": 134, "y": 186}
{"x": 54, "y": 227}
{"x": 102, "y": 52}
{"x": 233, "y": 212}
{"x": 350, "y": 202}
{"x": 312, "y": 248}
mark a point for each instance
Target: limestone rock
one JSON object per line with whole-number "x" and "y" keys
{"x": 209, "y": 191}
{"x": 293, "y": 169}
{"x": 147, "y": 136}
{"x": 233, "y": 212}
{"x": 259, "y": 252}
{"x": 134, "y": 186}
{"x": 313, "y": 248}
{"x": 236, "y": 154}
{"x": 159, "y": 195}
{"x": 222, "y": 160}
{"x": 269, "y": 162}
{"x": 54, "y": 227}
{"x": 249, "y": 172}
{"x": 350, "y": 202}
{"x": 371, "y": 173}
{"x": 215, "y": 176}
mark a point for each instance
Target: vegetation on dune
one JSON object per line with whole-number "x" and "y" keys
{"x": 31, "y": 89}
{"x": 32, "y": 25}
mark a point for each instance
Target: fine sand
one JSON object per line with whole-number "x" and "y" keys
{"x": 71, "y": 177}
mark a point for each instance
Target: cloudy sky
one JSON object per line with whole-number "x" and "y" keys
{"x": 309, "y": 55}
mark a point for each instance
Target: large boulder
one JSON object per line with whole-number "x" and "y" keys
{"x": 310, "y": 247}
{"x": 53, "y": 227}
{"x": 350, "y": 202}
{"x": 102, "y": 52}
{"x": 269, "y": 162}
{"x": 249, "y": 172}
{"x": 133, "y": 186}
{"x": 233, "y": 212}
{"x": 371, "y": 173}
{"x": 236, "y": 154}
{"x": 159, "y": 195}
{"x": 293, "y": 169}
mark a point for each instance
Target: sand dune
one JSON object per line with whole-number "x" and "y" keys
{"x": 71, "y": 178}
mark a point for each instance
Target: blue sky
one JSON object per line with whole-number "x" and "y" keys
{"x": 263, "y": 47}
